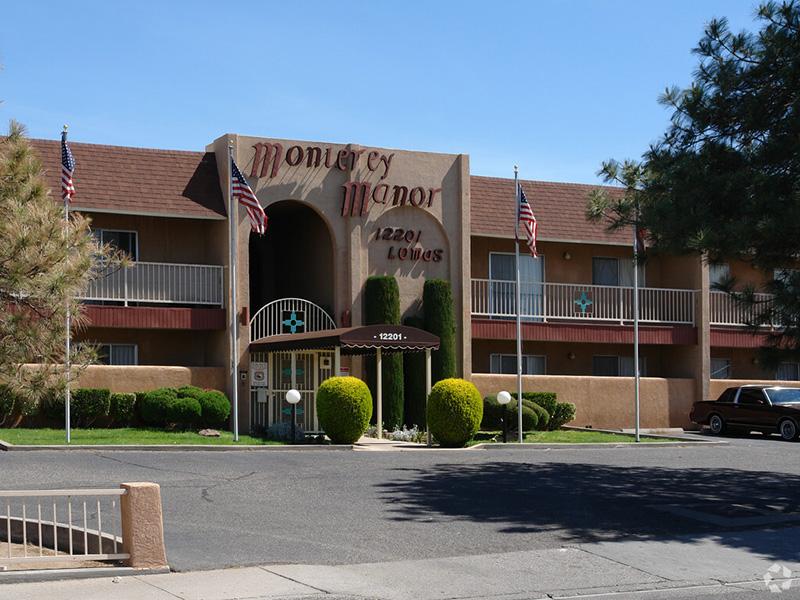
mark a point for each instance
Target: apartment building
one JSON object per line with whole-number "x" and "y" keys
{"x": 339, "y": 213}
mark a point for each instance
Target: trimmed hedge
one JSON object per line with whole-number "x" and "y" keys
{"x": 344, "y": 408}
{"x": 533, "y": 415}
{"x": 183, "y": 413}
{"x": 215, "y": 408}
{"x": 437, "y": 303}
{"x": 382, "y": 306}
{"x": 414, "y": 381}
{"x": 85, "y": 407}
{"x": 164, "y": 408}
{"x": 564, "y": 413}
{"x": 560, "y": 413}
{"x": 455, "y": 411}
{"x": 122, "y": 408}
{"x": 191, "y": 391}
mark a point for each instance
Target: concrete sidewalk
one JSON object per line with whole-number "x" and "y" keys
{"x": 710, "y": 566}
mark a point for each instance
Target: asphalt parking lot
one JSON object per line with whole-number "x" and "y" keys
{"x": 243, "y": 508}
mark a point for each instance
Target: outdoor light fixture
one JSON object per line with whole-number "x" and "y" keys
{"x": 567, "y": 255}
{"x": 571, "y": 355}
{"x": 293, "y": 397}
{"x": 503, "y": 398}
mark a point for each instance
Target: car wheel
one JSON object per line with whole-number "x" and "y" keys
{"x": 788, "y": 430}
{"x": 716, "y": 424}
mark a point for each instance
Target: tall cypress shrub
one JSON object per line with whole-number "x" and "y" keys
{"x": 414, "y": 380}
{"x": 437, "y": 303}
{"x": 382, "y": 306}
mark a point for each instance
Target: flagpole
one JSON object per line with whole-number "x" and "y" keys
{"x": 68, "y": 325}
{"x": 519, "y": 309}
{"x": 636, "y": 319}
{"x": 232, "y": 241}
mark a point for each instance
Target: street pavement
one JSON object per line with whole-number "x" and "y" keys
{"x": 445, "y": 524}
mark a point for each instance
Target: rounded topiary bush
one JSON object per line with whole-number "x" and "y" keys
{"x": 183, "y": 413}
{"x": 122, "y": 408}
{"x": 215, "y": 408}
{"x": 153, "y": 406}
{"x": 493, "y": 415}
{"x": 455, "y": 410}
{"x": 344, "y": 408}
{"x": 191, "y": 391}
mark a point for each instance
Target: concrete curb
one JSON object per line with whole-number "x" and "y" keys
{"x": 172, "y": 447}
{"x": 44, "y": 575}
{"x": 591, "y": 446}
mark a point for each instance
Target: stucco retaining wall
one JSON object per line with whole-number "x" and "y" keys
{"x": 606, "y": 402}
{"x": 143, "y": 378}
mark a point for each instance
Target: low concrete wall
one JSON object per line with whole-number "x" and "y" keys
{"x": 143, "y": 378}
{"x": 717, "y": 386}
{"x": 606, "y": 402}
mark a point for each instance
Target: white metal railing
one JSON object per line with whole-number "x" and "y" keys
{"x": 159, "y": 283}
{"x": 569, "y": 301}
{"x": 45, "y": 526}
{"x": 726, "y": 310}
{"x": 289, "y": 315}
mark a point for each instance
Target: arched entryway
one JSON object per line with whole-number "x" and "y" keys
{"x": 294, "y": 259}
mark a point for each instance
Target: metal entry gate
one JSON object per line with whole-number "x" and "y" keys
{"x": 268, "y": 394}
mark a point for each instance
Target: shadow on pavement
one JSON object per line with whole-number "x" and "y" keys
{"x": 590, "y": 503}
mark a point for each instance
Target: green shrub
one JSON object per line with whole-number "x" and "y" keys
{"x": 122, "y": 408}
{"x": 437, "y": 304}
{"x": 564, "y": 413}
{"x": 414, "y": 381}
{"x": 215, "y": 408}
{"x": 86, "y": 405}
{"x": 382, "y": 307}
{"x": 344, "y": 408}
{"x": 191, "y": 391}
{"x": 532, "y": 415}
{"x": 8, "y": 400}
{"x": 455, "y": 411}
{"x": 183, "y": 413}
{"x": 153, "y": 406}
{"x": 543, "y": 403}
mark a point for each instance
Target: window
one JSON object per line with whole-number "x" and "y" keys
{"x": 617, "y": 366}
{"x": 615, "y": 272}
{"x": 720, "y": 368}
{"x": 728, "y": 395}
{"x": 118, "y": 354}
{"x": 718, "y": 274}
{"x": 507, "y": 364}
{"x": 502, "y": 288}
{"x": 788, "y": 371}
{"x": 127, "y": 241}
{"x": 751, "y": 396}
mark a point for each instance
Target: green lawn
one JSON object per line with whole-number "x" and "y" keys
{"x": 567, "y": 436}
{"x": 126, "y": 436}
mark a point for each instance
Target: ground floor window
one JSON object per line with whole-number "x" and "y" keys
{"x": 720, "y": 368}
{"x": 118, "y": 354}
{"x": 507, "y": 364}
{"x": 788, "y": 371}
{"x": 617, "y": 366}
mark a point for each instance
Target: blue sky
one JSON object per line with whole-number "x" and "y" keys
{"x": 555, "y": 86}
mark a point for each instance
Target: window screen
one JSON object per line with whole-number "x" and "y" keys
{"x": 507, "y": 364}
{"x": 605, "y": 271}
{"x": 117, "y": 354}
{"x": 605, "y": 366}
{"x": 788, "y": 371}
{"x": 720, "y": 368}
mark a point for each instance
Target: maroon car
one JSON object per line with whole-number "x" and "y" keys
{"x": 768, "y": 409}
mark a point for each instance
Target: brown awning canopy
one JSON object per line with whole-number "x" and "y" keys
{"x": 352, "y": 340}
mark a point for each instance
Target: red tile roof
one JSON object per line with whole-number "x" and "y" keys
{"x": 137, "y": 180}
{"x": 560, "y": 210}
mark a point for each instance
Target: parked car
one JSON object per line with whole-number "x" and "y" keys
{"x": 768, "y": 409}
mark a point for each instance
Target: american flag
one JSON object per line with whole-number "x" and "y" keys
{"x": 245, "y": 196}
{"x": 526, "y": 221}
{"x": 67, "y": 169}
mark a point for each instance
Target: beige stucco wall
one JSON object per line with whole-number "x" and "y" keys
{"x": 607, "y": 402}
{"x": 140, "y": 379}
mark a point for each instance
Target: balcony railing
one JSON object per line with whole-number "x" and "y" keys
{"x": 725, "y": 310}
{"x": 577, "y": 302}
{"x": 159, "y": 283}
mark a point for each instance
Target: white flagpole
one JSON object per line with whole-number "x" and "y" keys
{"x": 232, "y": 240}
{"x": 636, "y": 320}
{"x": 519, "y": 309}
{"x": 68, "y": 325}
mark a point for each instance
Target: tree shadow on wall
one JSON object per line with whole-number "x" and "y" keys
{"x": 588, "y": 503}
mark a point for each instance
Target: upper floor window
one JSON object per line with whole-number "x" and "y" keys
{"x": 718, "y": 274}
{"x": 127, "y": 241}
{"x": 614, "y": 272}
{"x": 507, "y": 364}
{"x": 503, "y": 268}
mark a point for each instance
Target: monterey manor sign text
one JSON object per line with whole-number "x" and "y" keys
{"x": 357, "y": 195}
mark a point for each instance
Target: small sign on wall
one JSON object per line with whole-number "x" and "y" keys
{"x": 258, "y": 374}
{"x": 344, "y": 371}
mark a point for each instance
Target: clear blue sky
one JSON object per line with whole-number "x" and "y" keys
{"x": 553, "y": 85}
